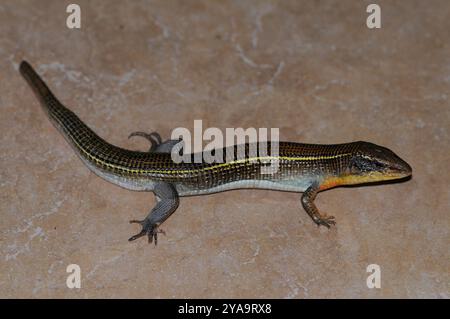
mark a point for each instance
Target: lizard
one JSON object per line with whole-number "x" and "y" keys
{"x": 302, "y": 168}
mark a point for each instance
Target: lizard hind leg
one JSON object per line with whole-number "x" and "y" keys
{"x": 157, "y": 145}
{"x": 168, "y": 202}
{"x": 154, "y": 138}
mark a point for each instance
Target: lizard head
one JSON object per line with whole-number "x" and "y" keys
{"x": 374, "y": 163}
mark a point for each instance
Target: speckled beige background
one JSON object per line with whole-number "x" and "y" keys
{"x": 311, "y": 68}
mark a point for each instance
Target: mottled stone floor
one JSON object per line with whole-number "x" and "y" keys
{"x": 312, "y": 69}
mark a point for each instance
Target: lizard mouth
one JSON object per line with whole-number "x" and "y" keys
{"x": 399, "y": 169}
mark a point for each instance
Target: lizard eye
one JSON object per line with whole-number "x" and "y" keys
{"x": 378, "y": 165}
{"x": 363, "y": 164}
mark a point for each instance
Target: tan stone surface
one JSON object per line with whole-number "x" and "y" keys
{"x": 311, "y": 68}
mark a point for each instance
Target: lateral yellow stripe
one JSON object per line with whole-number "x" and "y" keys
{"x": 219, "y": 165}
{"x": 195, "y": 170}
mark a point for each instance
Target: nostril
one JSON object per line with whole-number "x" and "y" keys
{"x": 409, "y": 168}
{"x": 406, "y": 168}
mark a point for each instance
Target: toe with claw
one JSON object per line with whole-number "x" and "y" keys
{"x": 149, "y": 229}
{"x": 154, "y": 138}
{"x": 326, "y": 221}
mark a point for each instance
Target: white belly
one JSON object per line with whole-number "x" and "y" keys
{"x": 290, "y": 186}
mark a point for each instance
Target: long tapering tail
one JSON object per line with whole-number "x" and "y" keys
{"x": 78, "y": 134}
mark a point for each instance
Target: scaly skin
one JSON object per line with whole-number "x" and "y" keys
{"x": 307, "y": 168}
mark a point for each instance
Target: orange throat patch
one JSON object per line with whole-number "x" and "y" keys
{"x": 351, "y": 179}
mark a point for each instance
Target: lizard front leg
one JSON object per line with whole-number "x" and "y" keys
{"x": 308, "y": 204}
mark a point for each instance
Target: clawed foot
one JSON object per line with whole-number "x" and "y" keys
{"x": 326, "y": 221}
{"x": 153, "y": 137}
{"x": 149, "y": 229}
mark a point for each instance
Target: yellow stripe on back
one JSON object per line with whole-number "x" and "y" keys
{"x": 218, "y": 165}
